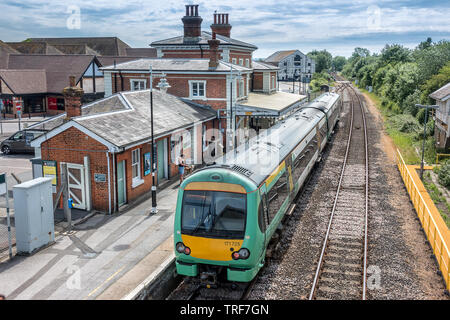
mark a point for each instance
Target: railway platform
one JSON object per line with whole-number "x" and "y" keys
{"x": 107, "y": 257}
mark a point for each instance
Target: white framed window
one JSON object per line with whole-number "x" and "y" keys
{"x": 233, "y": 60}
{"x": 241, "y": 61}
{"x": 197, "y": 89}
{"x": 136, "y": 167}
{"x": 241, "y": 88}
{"x": 247, "y": 62}
{"x": 138, "y": 84}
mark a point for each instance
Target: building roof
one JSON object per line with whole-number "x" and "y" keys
{"x": 106, "y": 46}
{"x": 258, "y": 65}
{"x": 275, "y": 104}
{"x": 205, "y": 36}
{"x": 58, "y": 68}
{"x": 75, "y": 49}
{"x": 24, "y": 81}
{"x": 174, "y": 65}
{"x": 279, "y": 55}
{"x": 34, "y": 47}
{"x": 442, "y": 94}
{"x": 123, "y": 119}
{"x": 141, "y": 52}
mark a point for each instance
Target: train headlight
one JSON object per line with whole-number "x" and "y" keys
{"x": 180, "y": 247}
{"x": 241, "y": 254}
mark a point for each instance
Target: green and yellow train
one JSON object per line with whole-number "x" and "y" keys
{"x": 227, "y": 212}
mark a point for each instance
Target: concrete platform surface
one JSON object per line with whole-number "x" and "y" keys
{"x": 105, "y": 258}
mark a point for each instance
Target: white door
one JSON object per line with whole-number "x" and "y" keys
{"x": 77, "y": 186}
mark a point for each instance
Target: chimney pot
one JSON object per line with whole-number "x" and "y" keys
{"x": 72, "y": 99}
{"x": 192, "y": 24}
{"x": 221, "y": 25}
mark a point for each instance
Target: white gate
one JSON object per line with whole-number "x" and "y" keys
{"x": 77, "y": 185}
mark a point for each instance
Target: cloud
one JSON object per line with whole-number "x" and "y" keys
{"x": 272, "y": 25}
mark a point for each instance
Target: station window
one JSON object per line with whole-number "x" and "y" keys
{"x": 137, "y": 84}
{"x": 197, "y": 89}
{"x": 136, "y": 166}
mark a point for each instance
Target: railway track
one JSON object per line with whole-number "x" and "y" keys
{"x": 341, "y": 270}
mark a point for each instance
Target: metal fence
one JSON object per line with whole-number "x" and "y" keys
{"x": 7, "y": 221}
{"x": 434, "y": 227}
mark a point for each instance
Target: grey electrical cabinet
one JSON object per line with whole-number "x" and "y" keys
{"x": 33, "y": 211}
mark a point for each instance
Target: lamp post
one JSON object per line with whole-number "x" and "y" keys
{"x": 425, "y": 132}
{"x": 294, "y": 75}
{"x": 232, "y": 123}
{"x": 163, "y": 85}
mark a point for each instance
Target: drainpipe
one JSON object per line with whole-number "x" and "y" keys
{"x": 109, "y": 183}
{"x": 114, "y": 180}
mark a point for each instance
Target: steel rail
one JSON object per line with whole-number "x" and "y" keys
{"x": 325, "y": 242}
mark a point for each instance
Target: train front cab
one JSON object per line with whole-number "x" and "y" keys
{"x": 216, "y": 228}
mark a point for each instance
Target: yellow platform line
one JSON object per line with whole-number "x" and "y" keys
{"x": 106, "y": 281}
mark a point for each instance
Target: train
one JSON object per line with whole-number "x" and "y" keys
{"x": 227, "y": 212}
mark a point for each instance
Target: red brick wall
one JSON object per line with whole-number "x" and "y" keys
{"x": 215, "y": 86}
{"x": 72, "y": 146}
{"x": 242, "y": 55}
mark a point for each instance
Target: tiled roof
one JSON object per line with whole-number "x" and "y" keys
{"x": 107, "y": 46}
{"x": 258, "y": 65}
{"x": 141, "y": 52}
{"x": 442, "y": 94}
{"x": 123, "y": 119}
{"x": 205, "y": 36}
{"x": 58, "y": 68}
{"x": 34, "y": 48}
{"x": 24, "y": 81}
{"x": 174, "y": 64}
{"x": 279, "y": 55}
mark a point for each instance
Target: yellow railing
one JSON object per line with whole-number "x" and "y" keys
{"x": 434, "y": 229}
{"x": 438, "y": 155}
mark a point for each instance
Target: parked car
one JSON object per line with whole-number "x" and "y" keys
{"x": 19, "y": 142}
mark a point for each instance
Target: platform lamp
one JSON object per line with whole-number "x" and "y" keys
{"x": 163, "y": 85}
{"x": 426, "y": 107}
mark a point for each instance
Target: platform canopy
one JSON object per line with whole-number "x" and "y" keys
{"x": 269, "y": 105}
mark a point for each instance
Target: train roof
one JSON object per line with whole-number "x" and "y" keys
{"x": 258, "y": 158}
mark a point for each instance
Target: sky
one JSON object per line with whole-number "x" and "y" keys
{"x": 337, "y": 26}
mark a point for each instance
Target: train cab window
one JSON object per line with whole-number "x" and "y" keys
{"x": 262, "y": 214}
{"x": 213, "y": 214}
{"x": 277, "y": 195}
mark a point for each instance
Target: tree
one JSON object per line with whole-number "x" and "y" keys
{"x": 425, "y": 44}
{"x": 435, "y": 82}
{"x": 395, "y": 53}
{"x": 338, "y": 63}
{"x": 322, "y": 58}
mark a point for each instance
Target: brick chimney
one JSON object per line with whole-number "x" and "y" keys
{"x": 213, "y": 52}
{"x": 72, "y": 99}
{"x": 221, "y": 25}
{"x": 192, "y": 24}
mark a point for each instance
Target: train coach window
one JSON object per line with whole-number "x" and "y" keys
{"x": 277, "y": 195}
{"x": 213, "y": 214}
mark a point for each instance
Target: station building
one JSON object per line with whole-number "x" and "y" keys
{"x": 107, "y": 144}
{"x": 442, "y": 117}
{"x": 211, "y": 68}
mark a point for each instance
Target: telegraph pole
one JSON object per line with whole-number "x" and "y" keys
{"x": 425, "y": 132}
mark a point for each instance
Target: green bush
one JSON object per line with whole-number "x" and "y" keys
{"x": 444, "y": 174}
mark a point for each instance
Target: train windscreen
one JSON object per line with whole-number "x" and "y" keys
{"x": 213, "y": 214}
